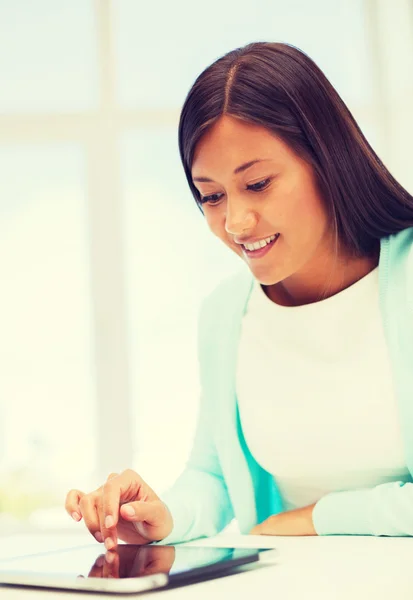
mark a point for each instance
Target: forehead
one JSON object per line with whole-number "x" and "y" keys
{"x": 231, "y": 142}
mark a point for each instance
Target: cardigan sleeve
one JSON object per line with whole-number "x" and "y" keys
{"x": 385, "y": 510}
{"x": 199, "y": 500}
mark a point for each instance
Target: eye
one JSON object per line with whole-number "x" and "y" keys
{"x": 212, "y": 199}
{"x": 260, "y": 185}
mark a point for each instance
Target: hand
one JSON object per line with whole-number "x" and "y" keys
{"x": 292, "y": 522}
{"x": 125, "y": 507}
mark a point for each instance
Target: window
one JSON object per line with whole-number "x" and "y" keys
{"x": 48, "y": 57}
{"x": 47, "y": 380}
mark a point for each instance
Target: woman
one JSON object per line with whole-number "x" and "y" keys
{"x": 306, "y": 419}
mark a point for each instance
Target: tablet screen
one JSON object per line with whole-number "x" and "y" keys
{"x": 133, "y": 569}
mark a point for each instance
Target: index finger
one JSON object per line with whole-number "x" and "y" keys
{"x": 102, "y": 516}
{"x": 112, "y": 493}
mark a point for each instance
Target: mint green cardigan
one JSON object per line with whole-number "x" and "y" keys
{"x": 222, "y": 480}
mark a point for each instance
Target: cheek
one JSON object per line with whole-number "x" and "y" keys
{"x": 314, "y": 221}
{"x": 216, "y": 223}
{"x": 211, "y": 221}
{"x": 305, "y": 213}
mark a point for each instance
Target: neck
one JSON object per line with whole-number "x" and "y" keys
{"x": 317, "y": 282}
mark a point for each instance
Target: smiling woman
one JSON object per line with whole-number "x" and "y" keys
{"x": 270, "y": 155}
{"x": 306, "y": 422}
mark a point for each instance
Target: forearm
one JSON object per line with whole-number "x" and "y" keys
{"x": 199, "y": 505}
{"x": 386, "y": 510}
{"x": 298, "y": 522}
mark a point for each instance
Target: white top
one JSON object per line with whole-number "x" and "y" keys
{"x": 315, "y": 394}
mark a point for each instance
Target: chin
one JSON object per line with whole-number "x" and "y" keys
{"x": 266, "y": 278}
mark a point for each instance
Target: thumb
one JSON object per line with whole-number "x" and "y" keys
{"x": 154, "y": 512}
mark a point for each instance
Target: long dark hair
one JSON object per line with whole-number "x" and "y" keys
{"x": 280, "y": 88}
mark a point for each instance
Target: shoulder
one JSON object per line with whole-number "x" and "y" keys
{"x": 226, "y": 302}
{"x": 226, "y": 291}
{"x": 401, "y": 245}
{"x": 398, "y": 249}
{"x": 397, "y": 267}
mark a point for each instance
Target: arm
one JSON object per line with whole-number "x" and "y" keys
{"x": 198, "y": 500}
{"x": 386, "y": 509}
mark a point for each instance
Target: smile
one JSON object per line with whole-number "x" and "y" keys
{"x": 258, "y": 249}
{"x": 260, "y": 243}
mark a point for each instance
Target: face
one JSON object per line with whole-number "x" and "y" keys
{"x": 261, "y": 200}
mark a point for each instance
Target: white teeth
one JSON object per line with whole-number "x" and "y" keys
{"x": 260, "y": 244}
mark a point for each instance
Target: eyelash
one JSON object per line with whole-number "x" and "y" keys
{"x": 263, "y": 185}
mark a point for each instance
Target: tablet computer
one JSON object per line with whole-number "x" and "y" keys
{"x": 133, "y": 569}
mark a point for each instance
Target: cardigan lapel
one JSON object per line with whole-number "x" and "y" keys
{"x": 228, "y": 440}
{"x": 252, "y": 490}
{"x": 396, "y": 302}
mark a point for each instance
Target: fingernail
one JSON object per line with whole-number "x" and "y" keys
{"x": 99, "y": 537}
{"x": 109, "y": 521}
{"x": 110, "y": 557}
{"x": 109, "y": 543}
{"x": 129, "y": 511}
{"x": 75, "y": 516}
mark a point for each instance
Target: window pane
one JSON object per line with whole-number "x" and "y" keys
{"x": 172, "y": 262}
{"x": 157, "y": 63}
{"x": 46, "y": 385}
{"x": 48, "y": 59}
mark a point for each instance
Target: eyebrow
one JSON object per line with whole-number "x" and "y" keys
{"x": 239, "y": 169}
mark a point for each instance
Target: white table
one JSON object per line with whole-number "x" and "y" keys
{"x": 330, "y": 568}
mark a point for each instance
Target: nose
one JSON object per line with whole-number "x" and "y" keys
{"x": 239, "y": 218}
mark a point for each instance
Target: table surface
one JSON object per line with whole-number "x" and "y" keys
{"x": 309, "y": 567}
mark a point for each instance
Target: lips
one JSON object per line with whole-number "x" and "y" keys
{"x": 260, "y": 251}
{"x": 251, "y": 246}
